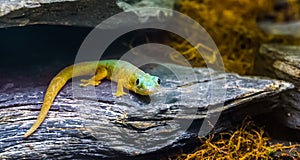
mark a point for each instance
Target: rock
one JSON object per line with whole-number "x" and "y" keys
{"x": 91, "y": 123}
{"x": 288, "y": 28}
{"x": 283, "y": 62}
{"x": 85, "y": 13}
{"x": 56, "y": 12}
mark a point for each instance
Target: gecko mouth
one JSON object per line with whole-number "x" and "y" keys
{"x": 148, "y": 91}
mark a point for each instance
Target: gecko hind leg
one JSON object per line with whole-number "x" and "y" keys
{"x": 96, "y": 79}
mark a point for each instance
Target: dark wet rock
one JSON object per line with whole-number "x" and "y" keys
{"x": 90, "y": 122}
{"x": 283, "y": 62}
{"x": 85, "y": 13}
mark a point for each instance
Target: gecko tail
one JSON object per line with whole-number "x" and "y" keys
{"x": 54, "y": 87}
{"x": 36, "y": 125}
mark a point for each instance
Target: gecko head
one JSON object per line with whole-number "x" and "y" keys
{"x": 146, "y": 84}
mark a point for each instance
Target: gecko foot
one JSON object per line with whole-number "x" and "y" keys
{"x": 87, "y": 82}
{"x": 119, "y": 94}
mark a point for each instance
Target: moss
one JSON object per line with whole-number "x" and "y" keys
{"x": 233, "y": 26}
{"x": 247, "y": 142}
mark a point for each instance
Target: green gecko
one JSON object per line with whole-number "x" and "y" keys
{"x": 124, "y": 73}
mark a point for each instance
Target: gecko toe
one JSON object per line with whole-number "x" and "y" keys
{"x": 119, "y": 94}
{"x": 89, "y": 83}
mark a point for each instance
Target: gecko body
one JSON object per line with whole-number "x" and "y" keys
{"x": 125, "y": 74}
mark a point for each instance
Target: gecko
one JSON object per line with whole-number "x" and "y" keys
{"x": 123, "y": 73}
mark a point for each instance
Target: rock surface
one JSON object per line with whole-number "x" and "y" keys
{"x": 283, "y": 62}
{"x": 85, "y": 13}
{"x": 59, "y": 12}
{"x": 91, "y": 122}
{"x": 288, "y": 29}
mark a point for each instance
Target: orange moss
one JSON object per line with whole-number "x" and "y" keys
{"x": 233, "y": 26}
{"x": 248, "y": 142}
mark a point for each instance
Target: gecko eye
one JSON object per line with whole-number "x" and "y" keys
{"x": 158, "y": 81}
{"x": 137, "y": 82}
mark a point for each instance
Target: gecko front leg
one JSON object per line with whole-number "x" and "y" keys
{"x": 120, "y": 92}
